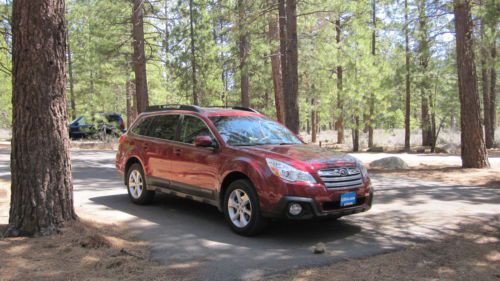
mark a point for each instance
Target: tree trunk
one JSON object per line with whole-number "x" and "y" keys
{"x": 42, "y": 190}
{"x": 273, "y": 36}
{"x": 355, "y": 134}
{"x": 474, "y": 154}
{"x": 493, "y": 93}
{"x": 283, "y": 47}
{"x": 141, "y": 81}
{"x": 243, "y": 46}
{"x": 424, "y": 57}
{"x": 485, "y": 75}
{"x": 407, "y": 82}
{"x": 372, "y": 95}
{"x": 196, "y": 98}
{"x": 71, "y": 82}
{"x": 291, "y": 93}
{"x": 339, "y": 124}
{"x": 314, "y": 124}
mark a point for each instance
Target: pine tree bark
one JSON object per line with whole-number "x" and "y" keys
{"x": 283, "y": 48}
{"x": 291, "y": 94}
{"x": 485, "y": 86}
{"x": 141, "y": 81}
{"x": 407, "y": 81}
{"x": 243, "y": 46}
{"x": 71, "y": 82}
{"x": 493, "y": 93}
{"x": 314, "y": 121}
{"x": 273, "y": 35}
{"x": 372, "y": 95}
{"x": 42, "y": 190}
{"x": 424, "y": 57}
{"x": 194, "y": 81}
{"x": 355, "y": 134}
{"x": 474, "y": 154}
{"x": 339, "y": 124}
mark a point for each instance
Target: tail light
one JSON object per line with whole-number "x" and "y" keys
{"x": 122, "y": 125}
{"x": 122, "y": 139}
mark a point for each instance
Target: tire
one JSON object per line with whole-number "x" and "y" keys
{"x": 137, "y": 186}
{"x": 252, "y": 223}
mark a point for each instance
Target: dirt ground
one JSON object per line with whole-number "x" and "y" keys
{"x": 471, "y": 254}
{"x": 449, "y": 174}
{"x": 86, "y": 251}
{"x": 83, "y": 251}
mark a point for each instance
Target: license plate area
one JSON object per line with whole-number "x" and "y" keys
{"x": 347, "y": 199}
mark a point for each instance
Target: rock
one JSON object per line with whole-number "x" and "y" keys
{"x": 319, "y": 248}
{"x": 389, "y": 163}
{"x": 440, "y": 150}
{"x": 376, "y": 149}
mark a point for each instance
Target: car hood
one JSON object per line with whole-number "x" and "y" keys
{"x": 313, "y": 156}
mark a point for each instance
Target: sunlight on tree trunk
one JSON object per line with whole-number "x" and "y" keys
{"x": 141, "y": 81}
{"x": 474, "y": 154}
{"x": 42, "y": 190}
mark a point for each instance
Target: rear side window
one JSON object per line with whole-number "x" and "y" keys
{"x": 193, "y": 127}
{"x": 142, "y": 128}
{"x": 164, "y": 127}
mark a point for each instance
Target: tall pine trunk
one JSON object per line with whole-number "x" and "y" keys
{"x": 42, "y": 190}
{"x": 493, "y": 93}
{"x": 407, "y": 81}
{"x": 339, "y": 124}
{"x": 372, "y": 94}
{"x": 273, "y": 36}
{"x": 474, "y": 154}
{"x": 291, "y": 94}
{"x": 141, "y": 81}
{"x": 243, "y": 46}
{"x": 194, "y": 81}
{"x": 71, "y": 82}
{"x": 424, "y": 57}
{"x": 314, "y": 121}
{"x": 485, "y": 86}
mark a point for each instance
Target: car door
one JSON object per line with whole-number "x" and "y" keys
{"x": 162, "y": 133}
{"x": 194, "y": 169}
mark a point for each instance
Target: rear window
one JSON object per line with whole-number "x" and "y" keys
{"x": 142, "y": 128}
{"x": 164, "y": 127}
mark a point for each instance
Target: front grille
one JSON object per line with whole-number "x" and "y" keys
{"x": 341, "y": 177}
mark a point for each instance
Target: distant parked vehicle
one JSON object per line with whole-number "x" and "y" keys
{"x": 97, "y": 126}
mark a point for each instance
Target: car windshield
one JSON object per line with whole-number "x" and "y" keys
{"x": 252, "y": 130}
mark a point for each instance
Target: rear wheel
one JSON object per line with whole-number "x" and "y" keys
{"x": 242, "y": 209}
{"x": 137, "y": 186}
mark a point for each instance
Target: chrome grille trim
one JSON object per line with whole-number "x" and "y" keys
{"x": 340, "y": 178}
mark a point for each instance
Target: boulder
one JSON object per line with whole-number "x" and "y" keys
{"x": 389, "y": 163}
{"x": 376, "y": 149}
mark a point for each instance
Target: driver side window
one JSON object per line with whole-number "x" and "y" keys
{"x": 193, "y": 127}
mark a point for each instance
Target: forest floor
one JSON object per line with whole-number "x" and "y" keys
{"x": 446, "y": 171}
{"x": 472, "y": 253}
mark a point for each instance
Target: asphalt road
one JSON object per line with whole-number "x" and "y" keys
{"x": 193, "y": 239}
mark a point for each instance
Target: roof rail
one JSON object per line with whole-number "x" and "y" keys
{"x": 153, "y": 108}
{"x": 245, "y": 109}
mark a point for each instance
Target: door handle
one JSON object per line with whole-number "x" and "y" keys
{"x": 145, "y": 147}
{"x": 177, "y": 151}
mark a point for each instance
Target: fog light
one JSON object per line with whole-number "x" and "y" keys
{"x": 295, "y": 209}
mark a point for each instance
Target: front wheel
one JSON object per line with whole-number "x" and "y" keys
{"x": 137, "y": 186}
{"x": 242, "y": 209}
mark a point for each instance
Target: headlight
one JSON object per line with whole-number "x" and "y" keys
{"x": 288, "y": 172}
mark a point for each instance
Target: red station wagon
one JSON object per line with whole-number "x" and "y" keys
{"x": 247, "y": 165}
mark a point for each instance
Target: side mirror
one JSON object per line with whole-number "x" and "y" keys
{"x": 204, "y": 141}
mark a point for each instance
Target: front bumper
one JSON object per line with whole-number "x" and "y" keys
{"x": 310, "y": 208}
